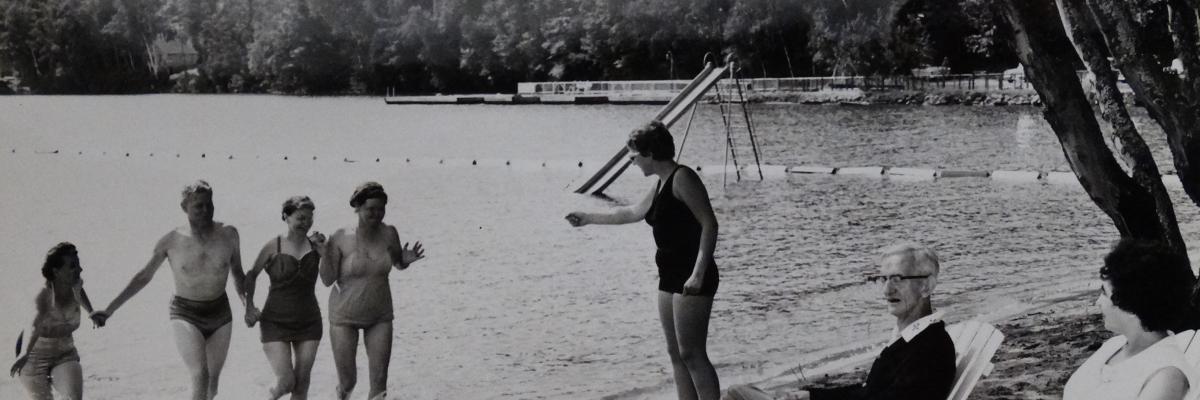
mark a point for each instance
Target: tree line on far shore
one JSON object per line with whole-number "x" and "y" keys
{"x": 423, "y": 46}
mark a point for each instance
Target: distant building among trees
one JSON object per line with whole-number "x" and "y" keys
{"x": 173, "y": 54}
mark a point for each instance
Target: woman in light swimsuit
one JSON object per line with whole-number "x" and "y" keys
{"x": 291, "y": 318}
{"x": 357, "y": 261}
{"x": 50, "y": 360}
{"x": 685, "y": 232}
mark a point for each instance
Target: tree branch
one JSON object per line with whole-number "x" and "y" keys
{"x": 1047, "y": 55}
{"x": 1161, "y": 93}
{"x": 1089, "y": 43}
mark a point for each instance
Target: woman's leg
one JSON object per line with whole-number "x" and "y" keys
{"x": 691, "y": 329}
{"x": 279, "y": 355}
{"x": 683, "y": 379}
{"x": 344, "y": 341}
{"x": 68, "y": 379}
{"x": 378, "y": 339}
{"x": 38, "y": 386}
{"x": 306, "y": 353}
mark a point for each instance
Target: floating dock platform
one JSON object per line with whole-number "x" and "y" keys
{"x": 532, "y": 99}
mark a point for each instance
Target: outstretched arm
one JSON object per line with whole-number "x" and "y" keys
{"x": 623, "y": 215}
{"x": 82, "y": 297}
{"x": 689, "y": 189}
{"x": 141, "y": 279}
{"x": 41, "y": 304}
{"x": 260, "y": 262}
{"x": 235, "y": 264}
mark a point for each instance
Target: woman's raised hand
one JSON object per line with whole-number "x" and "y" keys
{"x": 409, "y": 256}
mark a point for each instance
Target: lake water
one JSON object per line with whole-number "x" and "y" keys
{"x": 511, "y": 302}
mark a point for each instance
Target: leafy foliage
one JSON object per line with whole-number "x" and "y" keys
{"x": 335, "y": 46}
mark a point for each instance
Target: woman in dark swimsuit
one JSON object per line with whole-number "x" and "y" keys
{"x": 685, "y": 231}
{"x": 291, "y": 318}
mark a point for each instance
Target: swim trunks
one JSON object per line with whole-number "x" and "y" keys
{"x": 206, "y": 315}
{"x": 677, "y": 236}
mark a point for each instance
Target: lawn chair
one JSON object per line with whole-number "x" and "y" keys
{"x": 1189, "y": 342}
{"x": 974, "y": 344}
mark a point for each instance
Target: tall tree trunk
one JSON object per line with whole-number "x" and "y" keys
{"x": 1089, "y": 42}
{"x": 1173, "y": 104}
{"x": 1048, "y": 57}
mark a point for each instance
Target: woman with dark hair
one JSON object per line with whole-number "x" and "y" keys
{"x": 1143, "y": 294}
{"x": 291, "y": 318}
{"x": 685, "y": 231}
{"x": 357, "y": 261}
{"x": 50, "y": 359}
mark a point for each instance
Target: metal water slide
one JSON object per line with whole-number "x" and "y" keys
{"x": 668, "y": 115}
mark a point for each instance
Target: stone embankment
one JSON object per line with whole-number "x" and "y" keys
{"x": 909, "y": 97}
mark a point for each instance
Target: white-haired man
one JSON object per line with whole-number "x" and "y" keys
{"x": 919, "y": 362}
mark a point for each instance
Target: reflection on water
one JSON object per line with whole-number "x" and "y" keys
{"x": 511, "y": 302}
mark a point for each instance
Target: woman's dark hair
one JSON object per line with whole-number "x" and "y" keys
{"x": 1149, "y": 281}
{"x": 653, "y": 140}
{"x": 297, "y": 203}
{"x": 54, "y": 258}
{"x": 366, "y": 191}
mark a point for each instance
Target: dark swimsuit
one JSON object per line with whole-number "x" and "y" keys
{"x": 291, "y": 312}
{"x": 677, "y": 235}
{"x": 206, "y": 315}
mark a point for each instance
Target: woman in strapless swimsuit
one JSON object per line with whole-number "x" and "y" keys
{"x": 290, "y": 318}
{"x": 357, "y": 261}
{"x": 50, "y": 359}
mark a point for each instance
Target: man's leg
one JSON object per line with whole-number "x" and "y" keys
{"x": 691, "y": 329}
{"x": 344, "y": 342}
{"x": 190, "y": 343}
{"x": 215, "y": 349}
{"x": 378, "y": 339}
{"x": 683, "y": 379}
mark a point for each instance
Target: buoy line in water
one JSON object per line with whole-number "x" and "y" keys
{"x": 751, "y": 171}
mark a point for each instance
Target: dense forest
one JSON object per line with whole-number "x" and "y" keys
{"x": 423, "y": 46}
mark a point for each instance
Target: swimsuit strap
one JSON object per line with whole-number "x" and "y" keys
{"x": 278, "y": 246}
{"x": 670, "y": 179}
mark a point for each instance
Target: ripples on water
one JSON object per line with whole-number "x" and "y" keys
{"x": 511, "y": 301}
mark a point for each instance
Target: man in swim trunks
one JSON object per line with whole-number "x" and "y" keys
{"x": 202, "y": 255}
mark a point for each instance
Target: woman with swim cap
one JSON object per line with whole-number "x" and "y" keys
{"x": 357, "y": 261}
{"x": 291, "y": 317}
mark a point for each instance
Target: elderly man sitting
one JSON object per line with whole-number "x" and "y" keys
{"x": 919, "y": 362}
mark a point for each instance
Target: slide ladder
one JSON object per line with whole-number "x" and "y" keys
{"x": 668, "y": 116}
{"x": 736, "y": 120}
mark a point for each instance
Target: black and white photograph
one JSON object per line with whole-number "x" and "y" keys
{"x": 600, "y": 199}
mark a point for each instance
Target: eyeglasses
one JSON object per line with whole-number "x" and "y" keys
{"x": 893, "y": 279}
